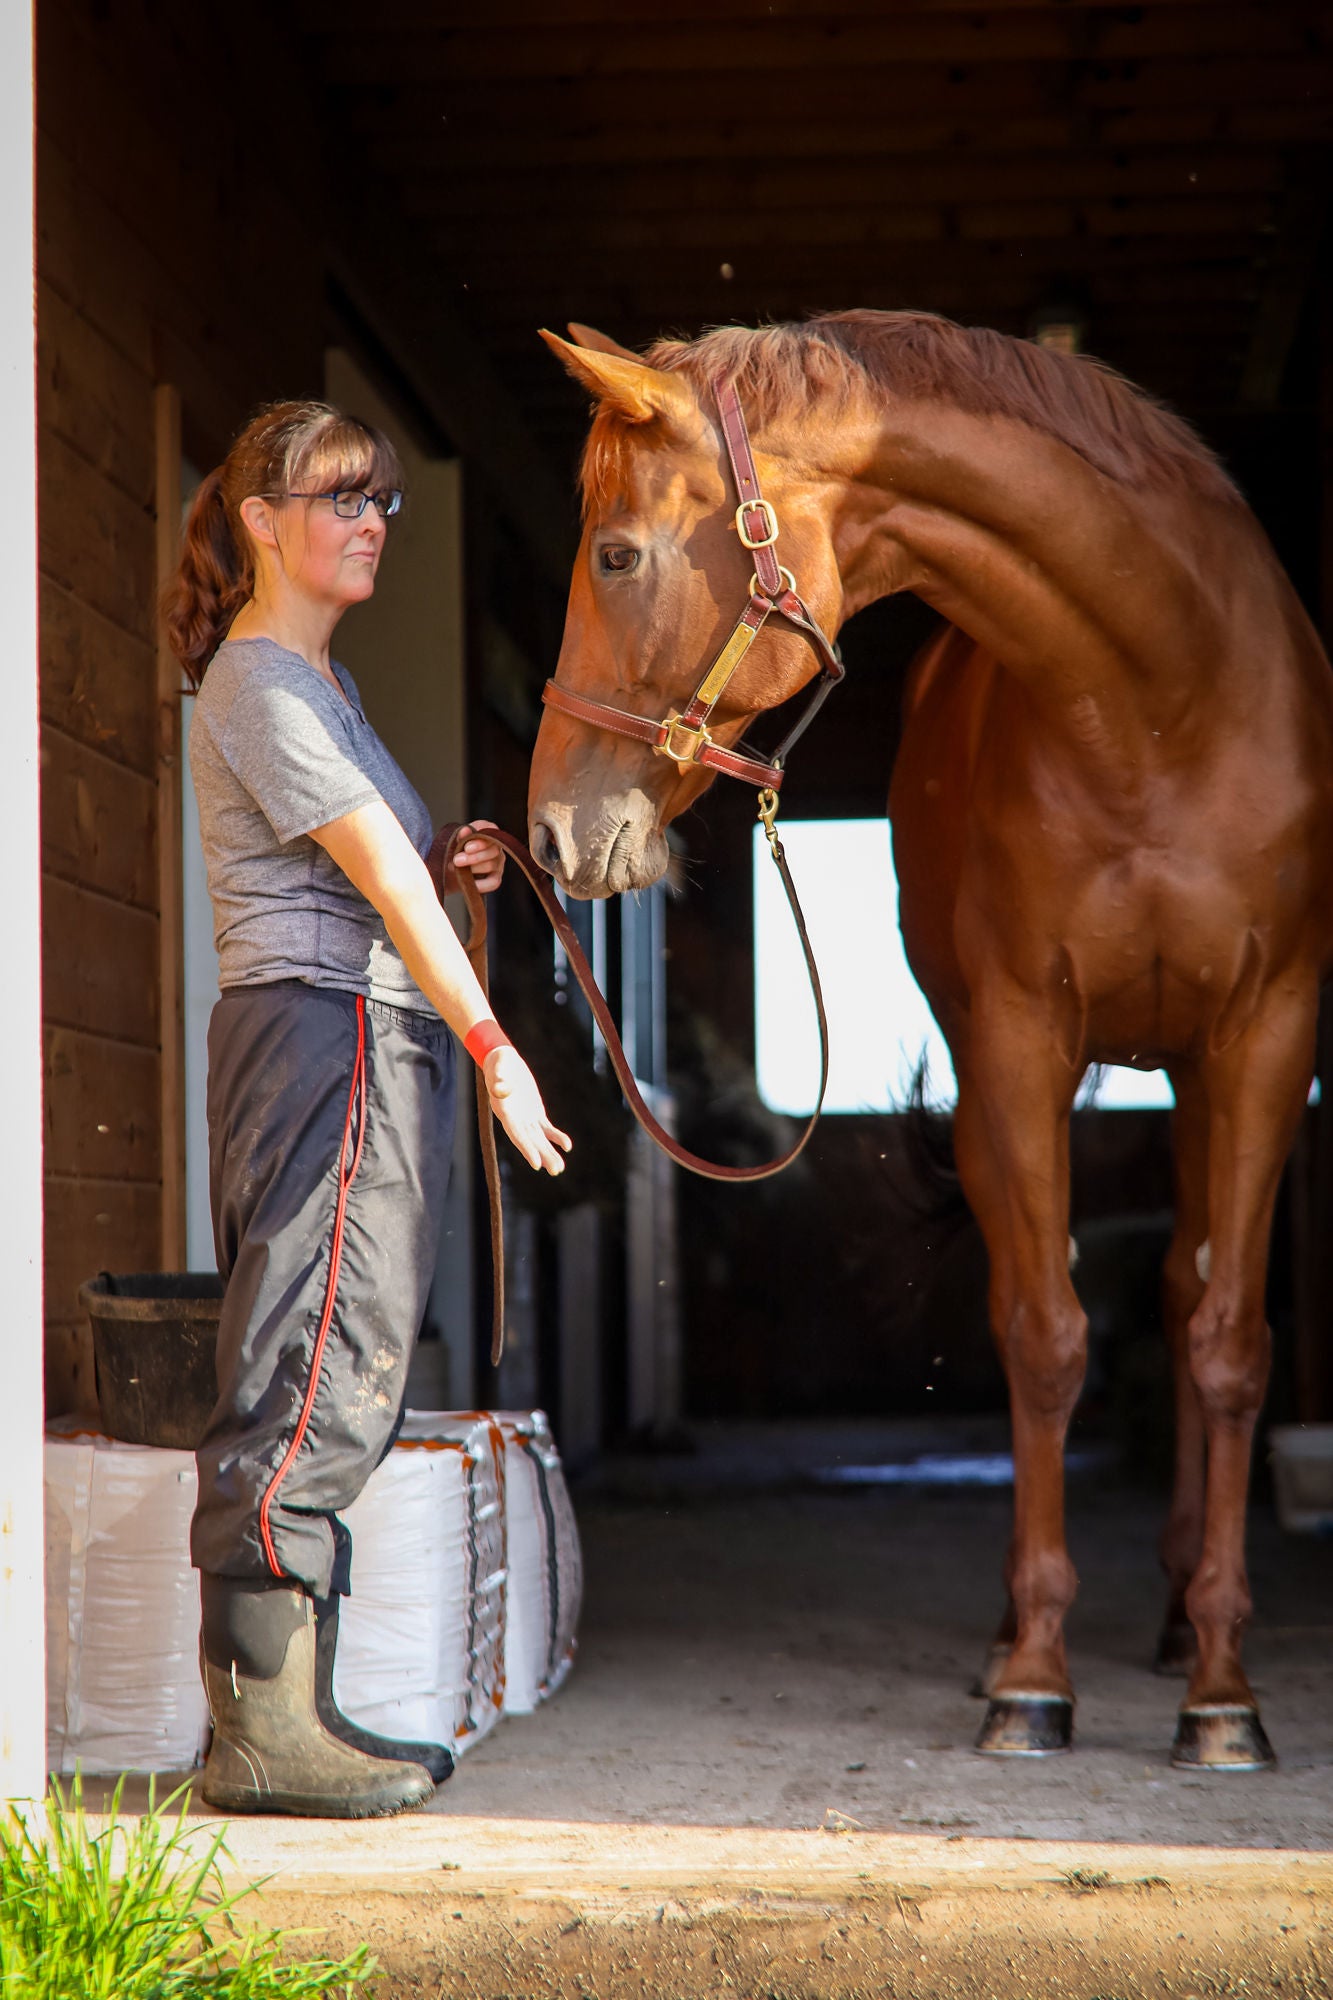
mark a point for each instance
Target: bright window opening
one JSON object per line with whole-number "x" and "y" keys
{"x": 879, "y": 1023}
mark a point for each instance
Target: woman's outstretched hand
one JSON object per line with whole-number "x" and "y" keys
{"x": 486, "y": 858}
{"x": 517, "y": 1103}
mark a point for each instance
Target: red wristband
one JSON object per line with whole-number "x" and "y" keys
{"x": 482, "y": 1037}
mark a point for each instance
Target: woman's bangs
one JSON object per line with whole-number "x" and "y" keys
{"x": 345, "y": 456}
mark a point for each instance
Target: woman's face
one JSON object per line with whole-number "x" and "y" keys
{"x": 323, "y": 555}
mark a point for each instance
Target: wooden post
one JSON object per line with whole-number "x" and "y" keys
{"x": 167, "y": 429}
{"x": 22, "y": 1597}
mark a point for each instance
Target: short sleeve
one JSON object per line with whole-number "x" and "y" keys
{"x": 292, "y": 750}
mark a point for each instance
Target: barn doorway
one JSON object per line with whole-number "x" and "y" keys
{"x": 1146, "y": 184}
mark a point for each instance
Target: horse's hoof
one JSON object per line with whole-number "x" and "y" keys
{"x": 1221, "y": 1736}
{"x": 1177, "y": 1650}
{"x": 1027, "y": 1725}
{"x": 997, "y": 1659}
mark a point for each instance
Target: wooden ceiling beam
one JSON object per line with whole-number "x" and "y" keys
{"x": 477, "y": 146}
{"x": 830, "y": 273}
{"x": 869, "y": 97}
{"x": 890, "y": 37}
{"x": 476, "y": 252}
{"x": 325, "y": 20}
{"x": 767, "y": 182}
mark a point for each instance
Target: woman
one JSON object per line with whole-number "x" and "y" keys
{"x": 330, "y": 1095}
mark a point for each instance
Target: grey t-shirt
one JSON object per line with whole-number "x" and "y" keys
{"x": 274, "y": 751}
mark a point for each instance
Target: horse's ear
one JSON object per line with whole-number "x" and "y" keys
{"x": 627, "y": 383}
{"x": 601, "y": 343}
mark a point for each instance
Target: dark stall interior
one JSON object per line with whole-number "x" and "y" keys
{"x": 1147, "y": 183}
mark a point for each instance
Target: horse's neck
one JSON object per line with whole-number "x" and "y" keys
{"x": 1088, "y": 589}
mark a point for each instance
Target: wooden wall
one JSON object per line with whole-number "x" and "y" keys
{"x": 179, "y": 241}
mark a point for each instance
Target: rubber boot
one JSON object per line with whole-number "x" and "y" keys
{"x": 270, "y": 1752}
{"x": 432, "y": 1757}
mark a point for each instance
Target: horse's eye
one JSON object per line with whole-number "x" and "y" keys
{"x": 616, "y": 559}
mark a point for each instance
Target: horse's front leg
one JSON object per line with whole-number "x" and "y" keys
{"x": 1014, "y": 1096}
{"x": 1256, "y": 1089}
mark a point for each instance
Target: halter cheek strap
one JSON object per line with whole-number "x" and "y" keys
{"x": 683, "y": 735}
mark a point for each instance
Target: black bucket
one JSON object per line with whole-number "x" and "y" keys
{"x": 155, "y": 1336}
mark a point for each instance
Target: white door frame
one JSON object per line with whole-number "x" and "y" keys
{"x": 22, "y": 1600}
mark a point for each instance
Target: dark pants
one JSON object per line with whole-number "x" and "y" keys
{"x": 330, "y": 1125}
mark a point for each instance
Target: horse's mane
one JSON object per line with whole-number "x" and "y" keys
{"x": 837, "y": 358}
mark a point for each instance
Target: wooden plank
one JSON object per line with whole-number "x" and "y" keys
{"x": 479, "y": 145}
{"x": 161, "y": 311}
{"x": 102, "y": 1108}
{"x": 97, "y": 679}
{"x": 99, "y": 821}
{"x": 493, "y": 53}
{"x": 68, "y": 1380}
{"x": 1221, "y": 216}
{"x": 602, "y": 233}
{"x": 99, "y": 964}
{"x": 475, "y": 144}
{"x": 765, "y": 182}
{"x": 170, "y": 872}
{"x": 92, "y": 397}
{"x": 863, "y": 95}
{"x": 94, "y": 539}
{"x": 94, "y": 1226}
{"x": 324, "y": 20}
{"x": 89, "y": 260}
{"x": 550, "y": 280}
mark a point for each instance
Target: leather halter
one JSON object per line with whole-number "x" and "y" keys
{"x": 684, "y": 735}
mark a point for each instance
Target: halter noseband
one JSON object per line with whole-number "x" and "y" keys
{"x": 684, "y": 735}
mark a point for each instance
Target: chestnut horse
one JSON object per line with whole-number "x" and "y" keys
{"x": 1113, "y": 820}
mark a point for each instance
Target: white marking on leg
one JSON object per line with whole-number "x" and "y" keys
{"x": 1073, "y": 1252}
{"x": 1203, "y": 1261}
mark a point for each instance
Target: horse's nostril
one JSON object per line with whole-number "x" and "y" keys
{"x": 545, "y": 849}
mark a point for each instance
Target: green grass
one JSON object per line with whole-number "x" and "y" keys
{"x": 138, "y": 1911}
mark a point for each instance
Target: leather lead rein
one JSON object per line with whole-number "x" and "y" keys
{"x": 446, "y": 878}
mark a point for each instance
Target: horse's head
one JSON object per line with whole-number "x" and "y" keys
{"x": 660, "y": 580}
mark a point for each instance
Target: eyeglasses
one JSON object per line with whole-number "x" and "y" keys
{"x": 350, "y": 506}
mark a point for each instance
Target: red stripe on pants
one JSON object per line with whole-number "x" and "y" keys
{"x": 346, "y": 1175}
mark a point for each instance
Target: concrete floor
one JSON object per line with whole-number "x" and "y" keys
{"x": 759, "y": 1649}
{"x": 759, "y": 1778}
{"x": 765, "y": 1653}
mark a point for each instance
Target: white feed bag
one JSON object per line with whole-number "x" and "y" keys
{"x": 545, "y": 1563}
{"x": 123, "y": 1691}
{"x": 421, "y": 1638}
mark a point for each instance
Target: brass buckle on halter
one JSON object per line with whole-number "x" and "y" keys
{"x": 765, "y": 508}
{"x": 696, "y": 739}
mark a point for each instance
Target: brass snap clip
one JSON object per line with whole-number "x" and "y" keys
{"x": 768, "y": 813}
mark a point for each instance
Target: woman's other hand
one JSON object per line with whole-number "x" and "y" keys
{"x": 517, "y": 1103}
{"x": 484, "y": 857}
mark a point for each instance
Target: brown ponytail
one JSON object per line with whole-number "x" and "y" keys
{"x": 301, "y": 447}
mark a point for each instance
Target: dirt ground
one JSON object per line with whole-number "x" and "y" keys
{"x": 759, "y": 1779}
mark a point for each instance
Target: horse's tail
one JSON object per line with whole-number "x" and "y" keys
{"x": 925, "y": 1173}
